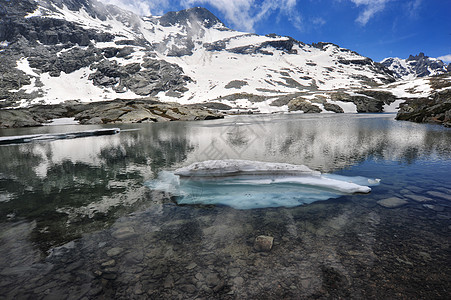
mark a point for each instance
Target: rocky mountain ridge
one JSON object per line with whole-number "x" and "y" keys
{"x": 416, "y": 66}
{"x": 53, "y": 51}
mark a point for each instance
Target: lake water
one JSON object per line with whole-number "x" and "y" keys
{"x": 78, "y": 219}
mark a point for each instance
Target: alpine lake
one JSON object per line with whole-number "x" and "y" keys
{"x": 78, "y": 219}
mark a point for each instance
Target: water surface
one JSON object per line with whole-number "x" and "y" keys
{"x": 76, "y": 217}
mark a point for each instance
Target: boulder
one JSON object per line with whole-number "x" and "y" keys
{"x": 333, "y": 107}
{"x": 302, "y": 104}
{"x": 263, "y": 243}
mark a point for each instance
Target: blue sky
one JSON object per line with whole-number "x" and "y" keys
{"x": 373, "y": 28}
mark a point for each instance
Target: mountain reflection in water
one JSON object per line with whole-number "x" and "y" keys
{"x": 88, "y": 196}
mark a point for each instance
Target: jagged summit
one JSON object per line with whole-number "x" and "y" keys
{"x": 417, "y": 57}
{"x": 416, "y": 66}
{"x": 191, "y": 15}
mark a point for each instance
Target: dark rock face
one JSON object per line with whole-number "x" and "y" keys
{"x": 148, "y": 78}
{"x": 436, "y": 109}
{"x": 383, "y": 96}
{"x": 364, "y": 104}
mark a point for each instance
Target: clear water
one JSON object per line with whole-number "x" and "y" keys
{"x": 76, "y": 218}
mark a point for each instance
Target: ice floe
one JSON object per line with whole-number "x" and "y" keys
{"x": 244, "y": 184}
{"x": 21, "y": 139}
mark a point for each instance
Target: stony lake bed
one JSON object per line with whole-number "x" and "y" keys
{"x": 78, "y": 220}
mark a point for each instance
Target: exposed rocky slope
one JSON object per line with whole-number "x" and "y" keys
{"x": 435, "y": 109}
{"x": 416, "y": 66}
{"x": 188, "y": 57}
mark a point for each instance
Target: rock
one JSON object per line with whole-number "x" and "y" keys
{"x": 384, "y": 96}
{"x": 106, "y": 112}
{"x": 109, "y": 276}
{"x": 188, "y": 288}
{"x": 238, "y": 281}
{"x": 439, "y": 195}
{"x": 392, "y": 202}
{"x": 19, "y": 118}
{"x": 418, "y": 198}
{"x": 263, "y": 243}
{"x": 234, "y": 272}
{"x": 437, "y": 208}
{"x": 124, "y": 233}
{"x": 364, "y": 103}
{"x": 108, "y": 264}
{"x": 212, "y": 279}
{"x": 138, "y": 290}
{"x": 303, "y": 105}
{"x": 191, "y": 266}
{"x": 236, "y": 84}
{"x": 333, "y": 107}
{"x": 435, "y": 109}
{"x": 168, "y": 282}
{"x": 114, "y": 252}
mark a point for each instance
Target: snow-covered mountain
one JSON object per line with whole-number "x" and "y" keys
{"x": 416, "y": 66}
{"x": 57, "y": 50}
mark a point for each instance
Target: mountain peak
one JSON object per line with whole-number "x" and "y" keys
{"x": 182, "y": 17}
{"x": 416, "y": 66}
{"x": 417, "y": 57}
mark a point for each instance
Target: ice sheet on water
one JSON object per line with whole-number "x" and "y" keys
{"x": 247, "y": 184}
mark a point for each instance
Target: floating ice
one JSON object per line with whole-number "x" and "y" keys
{"x": 21, "y": 139}
{"x": 250, "y": 184}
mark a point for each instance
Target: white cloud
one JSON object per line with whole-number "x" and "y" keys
{"x": 318, "y": 21}
{"x": 371, "y": 7}
{"x": 413, "y": 7}
{"x": 245, "y": 14}
{"x": 240, "y": 14}
{"x": 445, "y": 58}
{"x": 141, "y": 7}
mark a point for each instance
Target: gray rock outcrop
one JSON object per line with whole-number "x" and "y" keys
{"x": 303, "y": 105}
{"x": 108, "y": 112}
{"x": 436, "y": 109}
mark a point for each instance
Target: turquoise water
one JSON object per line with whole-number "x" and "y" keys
{"x": 77, "y": 218}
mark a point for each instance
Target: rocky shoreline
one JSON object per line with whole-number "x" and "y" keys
{"x": 118, "y": 111}
{"x": 435, "y": 109}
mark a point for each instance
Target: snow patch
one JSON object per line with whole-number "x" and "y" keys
{"x": 24, "y": 65}
{"x": 76, "y": 86}
{"x": 393, "y": 107}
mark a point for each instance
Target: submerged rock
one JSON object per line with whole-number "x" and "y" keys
{"x": 392, "y": 202}
{"x": 263, "y": 243}
{"x": 418, "y": 198}
{"x": 114, "y": 252}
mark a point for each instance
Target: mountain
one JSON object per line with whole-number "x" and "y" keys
{"x": 57, "y": 50}
{"x": 416, "y": 66}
